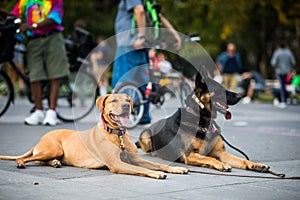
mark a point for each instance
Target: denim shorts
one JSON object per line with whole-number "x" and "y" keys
{"x": 130, "y": 65}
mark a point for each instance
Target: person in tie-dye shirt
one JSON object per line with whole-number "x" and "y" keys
{"x": 46, "y": 55}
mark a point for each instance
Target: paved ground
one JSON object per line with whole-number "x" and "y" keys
{"x": 267, "y": 134}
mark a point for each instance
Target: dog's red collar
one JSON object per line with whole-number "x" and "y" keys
{"x": 119, "y": 132}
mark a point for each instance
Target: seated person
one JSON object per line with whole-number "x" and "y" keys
{"x": 251, "y": 82}
{"x": 164, "y": 65}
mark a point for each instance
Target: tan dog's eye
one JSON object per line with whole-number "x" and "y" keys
{"x": 114, "y": 100}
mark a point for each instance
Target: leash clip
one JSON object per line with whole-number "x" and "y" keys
{"x": 122, "y": 146}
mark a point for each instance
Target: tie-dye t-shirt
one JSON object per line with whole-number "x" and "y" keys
{"x": 35, "y": 11}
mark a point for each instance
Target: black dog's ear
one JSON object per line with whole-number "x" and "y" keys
{"x": 232, "y": 98}
{"x": 199, "y": 81}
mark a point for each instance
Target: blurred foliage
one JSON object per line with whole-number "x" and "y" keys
{"x": 255, "y": 26}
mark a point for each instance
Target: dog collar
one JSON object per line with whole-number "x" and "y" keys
{"x": 119, "y": 132}
{"x": 198, "y": 101}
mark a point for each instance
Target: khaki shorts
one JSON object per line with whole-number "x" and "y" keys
{"x": 230, "y": 82}
{"x": 46, "y": 58}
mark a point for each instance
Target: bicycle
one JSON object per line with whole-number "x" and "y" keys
{"x": 77, "y": 93}
{"x": 156, "y": 88}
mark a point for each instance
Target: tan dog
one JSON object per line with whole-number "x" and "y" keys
{"x": 98, "y": 147}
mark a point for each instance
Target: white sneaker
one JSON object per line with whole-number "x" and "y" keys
{"x": 246, "y": 100}
{"x": 282, "y": 105}
{"x": 51, "y": 118}
{"x": 35, "y": 118}
{"x": 276, "y": 102}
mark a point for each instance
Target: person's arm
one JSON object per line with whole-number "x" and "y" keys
{"x": 47, "y": 22}
{"x": 140, "y": 17}
{"x": 169, "y": 26}
{"x": 293, "y": 61}
{"x": 274, "y": 59}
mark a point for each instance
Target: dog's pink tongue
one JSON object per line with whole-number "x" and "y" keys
{"x": 124, "y": 121}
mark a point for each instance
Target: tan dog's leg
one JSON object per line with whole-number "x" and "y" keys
{"x": 156, "y": 166}
{"x": 234, "y": 161}
{"x": 110, "y": 156}
{"x": 206, "y": 161}
{"x": 46, "y": 151}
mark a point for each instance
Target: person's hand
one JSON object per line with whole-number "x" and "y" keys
{"x": 138, "y": 44}
{"x": 178, "y": 42}
{"x": 24, "y": 27}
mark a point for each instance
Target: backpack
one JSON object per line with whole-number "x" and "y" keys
{"x": 152, "y": 11}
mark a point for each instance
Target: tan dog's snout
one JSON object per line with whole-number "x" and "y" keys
{"x": 126, "y": 107}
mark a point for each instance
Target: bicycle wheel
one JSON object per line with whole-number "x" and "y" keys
{"x": 77, "y": 96}
{"x": 138, "y": 101}
{"x": 6, "y": 92}
{"x": 185, "y": 91}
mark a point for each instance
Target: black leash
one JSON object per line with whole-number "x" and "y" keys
{"x": 218, "y": 129}
{"x": 277, "y": 176}
{"x": 233, "y": 147}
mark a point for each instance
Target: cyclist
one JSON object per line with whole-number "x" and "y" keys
{"x": 46, "y": 56}
{"x": 130, "y": 50}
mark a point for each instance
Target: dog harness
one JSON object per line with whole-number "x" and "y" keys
{"x": 198, "y": 101}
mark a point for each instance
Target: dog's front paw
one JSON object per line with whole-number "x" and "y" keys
{"x": 178, "y": 170}
{"x": 223, "y": 167}
{"x": 259, "y": 167}
{"x": 157, "y": 175}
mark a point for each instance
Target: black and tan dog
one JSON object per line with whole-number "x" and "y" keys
{"x": 190, "y": 135}
{"x": 106, "y": 145}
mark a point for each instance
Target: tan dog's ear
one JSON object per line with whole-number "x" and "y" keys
{"x": 131, "y": 104}
{"x": 100, "y": 102}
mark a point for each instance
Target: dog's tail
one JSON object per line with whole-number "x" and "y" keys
{"x": 25, "y": 155}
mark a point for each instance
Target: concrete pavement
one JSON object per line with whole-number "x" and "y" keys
{"x": 267, "y": 134}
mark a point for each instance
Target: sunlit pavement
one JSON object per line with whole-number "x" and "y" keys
{"x": 265, "y": 133}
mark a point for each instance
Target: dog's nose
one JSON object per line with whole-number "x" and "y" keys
{"x": 126, "y": 106}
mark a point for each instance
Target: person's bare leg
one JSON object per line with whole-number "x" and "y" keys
{"x": 36, "y": 91}
{"x": 250, "y": 91}
{"x": 54, "y": 90}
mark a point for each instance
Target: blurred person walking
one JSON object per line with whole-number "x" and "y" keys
{"x": 101, "y": 59}
{"x": 283, "y": 60}
{"x": 229, "y": 64}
